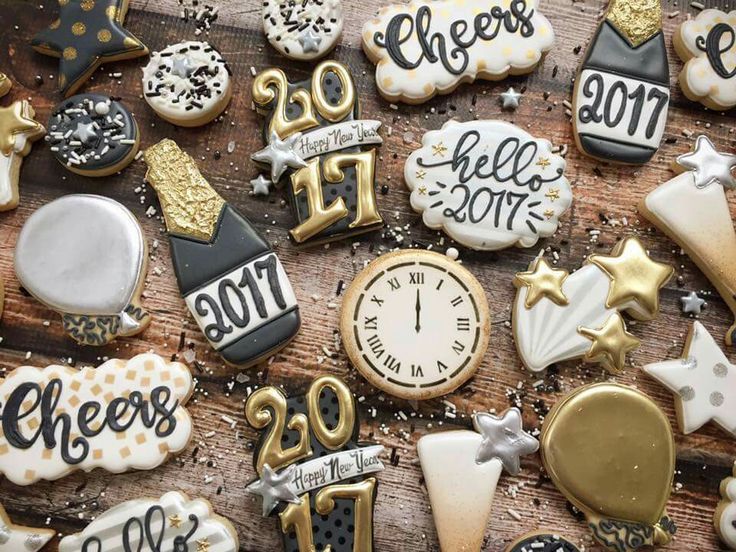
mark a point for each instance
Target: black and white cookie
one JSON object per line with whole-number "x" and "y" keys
{"x": 93, "y": 135}
{"x": 302, "y": 29}
{"x": 542, "y": 541}
{"x": 187, "y": 84}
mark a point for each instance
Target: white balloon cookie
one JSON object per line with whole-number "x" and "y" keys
{"x": 488, "y": 184}
{"x": 172, "y": 522}
{"x": 724, "y": 518}
{"x": 123, "y": 415}
{"x": 303, "y": 30}
{"x": 430, "y": 47}
{"x": 707, "y": 45}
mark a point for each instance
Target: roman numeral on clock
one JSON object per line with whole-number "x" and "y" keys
{"x": 377, "y": 301}
{"x": 376, "y": 345}
{"x": 458, "y": 347}
{"x": 370, "y": 323}
{"x": 416, "y": 371}
{"x": 392, "y": 364}
{"x": 463, "y": 324}
{"x": 394, "y": 284}
{"x": 456, "y": 301}
{"x": 441, "y": 366}
{"x": 416, "y": 278}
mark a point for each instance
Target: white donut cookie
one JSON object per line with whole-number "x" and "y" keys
{"x": 303, "y": 30}
{"x": 187, "y": 84}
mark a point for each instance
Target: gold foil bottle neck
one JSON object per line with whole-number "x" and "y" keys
{"x": 191, "y": 207}
{"x": 637, "y": 20}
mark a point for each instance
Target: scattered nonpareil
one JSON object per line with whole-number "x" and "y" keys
{"x": 17, "y": 538}
{"x": 303, "y": 30}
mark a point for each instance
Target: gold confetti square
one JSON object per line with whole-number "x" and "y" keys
{"x": 131, "y": 375}
{"x": 97, "y": 454}
{"x": 124, "y": 452}
{"x": 75, "y": 385}
{"x": 140, "y": 438}
{"x": 30, "y": 475}
{"x": 165, "y": 376}
{"x": 146, "y": 381}
{"x": 163, "y": 448}
{"x": 47, "y": 454}
{"x": 89, "y": 374}
{"x": 149, "y": 365}
{"x": 33, "y": 423}
{"x": 120, "y": 436}
{"x": 109, "y": 396}
{"x": 4, "y": 449}
{"x": 96, "y": 389}
{"x": 180, "y": 382}
{"x": 74, "y": 401}
{"x": 110, "y": 379}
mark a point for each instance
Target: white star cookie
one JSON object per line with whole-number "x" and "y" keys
{"x": 17, "y": 538}
{"x": 703, "y": 381}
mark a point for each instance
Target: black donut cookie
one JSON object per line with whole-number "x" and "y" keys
{"x": 93, "y": 135}
{"x": 542, "y": 542}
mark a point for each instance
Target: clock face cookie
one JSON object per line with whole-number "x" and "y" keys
{"x": 93, "y": 135}
{"x": 707, "y": 45}
{"x": 187, "y": 84}
{"x": 488, "y": 184}
{"x": 85, "y": 257}
{"x": 302, "y": 29}
{"x": 429, "y": 47}
{"x": 542, "y": 541}
{"x": 621, "y": 92}
{"x": 415, "y": 324}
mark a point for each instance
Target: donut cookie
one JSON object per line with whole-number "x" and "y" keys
{"x": 122, "y": 415}
{"x": 302, "y": 29}
{"x": 17, "y": 538}
{"x": 430, "y": 47}
{"x": 724, "y": 518}
{"x": 707, "y": 45}
{"x": 85, "y": 257}
{"x": 87, "y": 34}
{"x": 561, "y": 316}
{"x": 542, "y": 541}
{"x": 18, "y": 130}
{"x": 610, "y": 450}
{"x": 175, "y": 521}
{"x": 621, "y": 93}
{"x": 187, "y": 84}
{"x": 93, "y": 135}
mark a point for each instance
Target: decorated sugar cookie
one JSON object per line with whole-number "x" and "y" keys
{"x": 230, "y": 278}
{"x": 621, "y": 92}
{"x": 415, "y": 324}
{"x": 693, "y": 211}
{"x": 18, "y": 130}
{"x": 703, "y": 381}
{"x": 707, "y": 45}
{"x": 542, "y": 541}
{"x": 93, "y": 135}
{"x": 461, "y": 470}
{"x": 488, "y": 184}
{"x": 724, "y": 518}
{"x": 312, "y": 471}
{"x": 87, "y": 34}
{"x": 17, "y": 538}
{"x": 85, "y": 257}
{"x": 561, "y": 316}
{"x": 610, "y": 450}
{"x": 187, "y": 84}
{"x": 430, "y": 47}
{"x": 303, "y": 29}
{"x": 316, "y": 139}
{"x": 173, "y": 522}
{"x": 121, "y": 416}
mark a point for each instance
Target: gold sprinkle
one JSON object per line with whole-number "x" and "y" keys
{"x": 55, "y": 24}
{"x": 79, "y": 28}
{"x": 439, "y": 149}
{"x": 70, "y": 53}
{"x": 87, "y": 5}
{"x": 175, "y": 521}
{"x": 111, "y": 12}
{"x": 422, "y": 190}
{"x": 104, "y": 35}
{"x": 549, "y": 213}
{"x": 421, "y": 173}
{"x": 553, "y": 194}
{"x": 543, "y": 162}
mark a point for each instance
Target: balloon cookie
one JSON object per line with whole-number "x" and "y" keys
{"x": 724, "y": 518}
{"x": 415, "y": 324}
{"x": 621, "y": 92}
{"x": 461, "y": 470}
{"x": 120, "y": 416}
{"x": 314, "y": 135}
{"x": 561, "y": 316}
{"x": 312, "y": 472}
{"x": 230, "y": 278}
{"x": 610, "y": 450}
{"x": 18, "y": 131}
{"x": 693, "y": 211}
{"x": 303, "y": 30}
{"x": 85, "y": 257}
{"x": 542, "y": 541}
{"x": 93, "y": 135}
{"x": 707, "y": 45}
{"x": 87, "y": 34}
{"x": 17, "y": 538}
{"x": 430, "y": 47}
{"x": 187, "y": 84}
{"x": 703, "y": 381}
{"x": 173, "y": 522}
{"x": 488, "y": 184}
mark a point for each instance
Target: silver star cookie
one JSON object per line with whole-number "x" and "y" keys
{"x": 274, "y": 488}
{"x": 182, "y": 66}
{"x": 691, "y": 303}
{"x": 280, "y": 154}
{"x": 510, "y": 98}
{"x": 504, "y": 439}
{"x": 260, "y": 185}
{"x": 310, "y": 41}
{"x": 709, "y": 165}
{"x": 85, "y": 133}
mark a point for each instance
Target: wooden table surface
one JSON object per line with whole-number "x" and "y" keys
{"x": 218, "y": 463}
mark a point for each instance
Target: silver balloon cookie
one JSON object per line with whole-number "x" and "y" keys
{"x": 85, "y": 257}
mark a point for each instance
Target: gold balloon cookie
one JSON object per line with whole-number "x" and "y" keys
{"x": 610, "y": 450}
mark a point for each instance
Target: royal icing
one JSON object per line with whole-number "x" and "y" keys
{"x": 303, "y": 29}
{"x": 415, "y": 324}
{"x": 542, "y": 541}
{"x": 724, "y": 517}
{"x": 85, "y": 257}
{"x": 187, "y": 83}
{"x": 87, "y": 34}
{"x": 425, "y": 48}
{"x": 461, "y": 470}
{"x": 560, "y": 316}
{"x": 120, "y": 416}
{"x": 703, "y": 381}
{"x": 488, "y": 184}
{"x": 172, "y": 522}
{"x": 17, "y": 538}
{"x": 692, "y": 209}
{"x": 707, "y": 44}
{"x": 622, "y": 90}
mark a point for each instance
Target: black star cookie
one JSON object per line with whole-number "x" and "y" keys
{"x": 93, "y": 135}
{"x": 87, "y": 34}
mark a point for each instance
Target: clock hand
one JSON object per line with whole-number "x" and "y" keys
{"x": 418, "y": 309}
